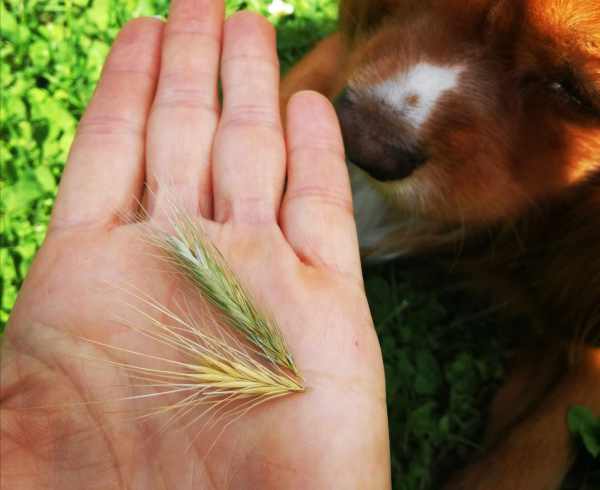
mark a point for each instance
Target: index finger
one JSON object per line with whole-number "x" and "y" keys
{"x": 105, "y": 169}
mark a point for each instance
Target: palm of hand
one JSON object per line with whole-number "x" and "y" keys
{"x": 298, "y": 436}
{"x": 334, "y": 436}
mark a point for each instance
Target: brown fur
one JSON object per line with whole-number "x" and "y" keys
{"x": 514, "y": 166}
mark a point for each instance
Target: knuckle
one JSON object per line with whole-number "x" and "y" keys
{"x": 323, "y": 197}
{"x": 114, "y": 124}
{"x": 253, "y": 210}
{"x": 186, "y": 98}
{"x": 315, "y": 148}
{"x": 253, "y": 116}
{"x": 124, "y": 71}
{"x": 193, "y": 89}
{"x": 258, "y": 62}
{"x": 191, "y": 30}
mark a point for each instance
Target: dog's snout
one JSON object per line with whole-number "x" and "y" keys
{"x": 374, "y": 140}
{"x": 343, "y": 101}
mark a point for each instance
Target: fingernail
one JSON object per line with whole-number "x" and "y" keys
{"x": 157, "y": 17}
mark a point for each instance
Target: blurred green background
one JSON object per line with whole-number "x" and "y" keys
{"x": 444, "y": 351}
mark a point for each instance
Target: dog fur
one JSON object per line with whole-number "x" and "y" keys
{"x": 472, "y": 129}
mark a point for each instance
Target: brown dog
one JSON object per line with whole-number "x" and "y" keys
{"x": 478, "y": 122}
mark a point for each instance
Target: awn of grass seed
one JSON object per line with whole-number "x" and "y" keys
{"x": 205, "y": 272}
{"x": 214, "y": 371}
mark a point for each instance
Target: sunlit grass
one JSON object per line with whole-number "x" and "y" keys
{"x": 443, "y": 361}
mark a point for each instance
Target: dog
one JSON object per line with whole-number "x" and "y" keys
{"x": 473, "y": 126}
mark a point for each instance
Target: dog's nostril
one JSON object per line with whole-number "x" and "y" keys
{"x": 342, "y": 101}
{"x": 404, "y": 162}
{"x": 387, "y": 163}
{"x": 374, "y": 142}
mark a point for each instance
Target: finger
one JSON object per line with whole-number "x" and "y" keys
{"x": 186, "y": 109}
{"x": 249, "y": 150}
{"x": 105, "y": 172}
{"x": 316, "y": 215}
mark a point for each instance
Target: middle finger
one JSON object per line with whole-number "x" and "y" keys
{"x": 186, "y": 108}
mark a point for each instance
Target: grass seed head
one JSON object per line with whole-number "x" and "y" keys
{"x": 205, "y": 272}
{"x": 208, "y": 370}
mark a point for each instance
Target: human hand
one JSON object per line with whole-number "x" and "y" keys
{"x": 160, "y": 122}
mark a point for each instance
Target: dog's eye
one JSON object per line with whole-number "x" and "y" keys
{"x": 568, "y": 91}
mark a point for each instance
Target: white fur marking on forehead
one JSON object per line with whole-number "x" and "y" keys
{"x": 415, "y": 92}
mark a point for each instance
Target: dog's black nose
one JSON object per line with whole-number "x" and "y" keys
{"x": 375, "y": 140}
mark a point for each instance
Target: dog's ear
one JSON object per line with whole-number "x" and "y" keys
{"x": 359, "y": 17}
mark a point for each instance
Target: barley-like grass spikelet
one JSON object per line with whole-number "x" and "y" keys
{"x": 205, "y": 272}
{"x": 204, "y": 358}
{"x": 212, "y": 370}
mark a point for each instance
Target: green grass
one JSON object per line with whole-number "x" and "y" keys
{"x": 443, "y": 357}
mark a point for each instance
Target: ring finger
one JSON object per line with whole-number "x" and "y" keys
{"x": 249, "y": 148}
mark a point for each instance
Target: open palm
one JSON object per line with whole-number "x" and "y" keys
{"x": 155, "y": 118}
